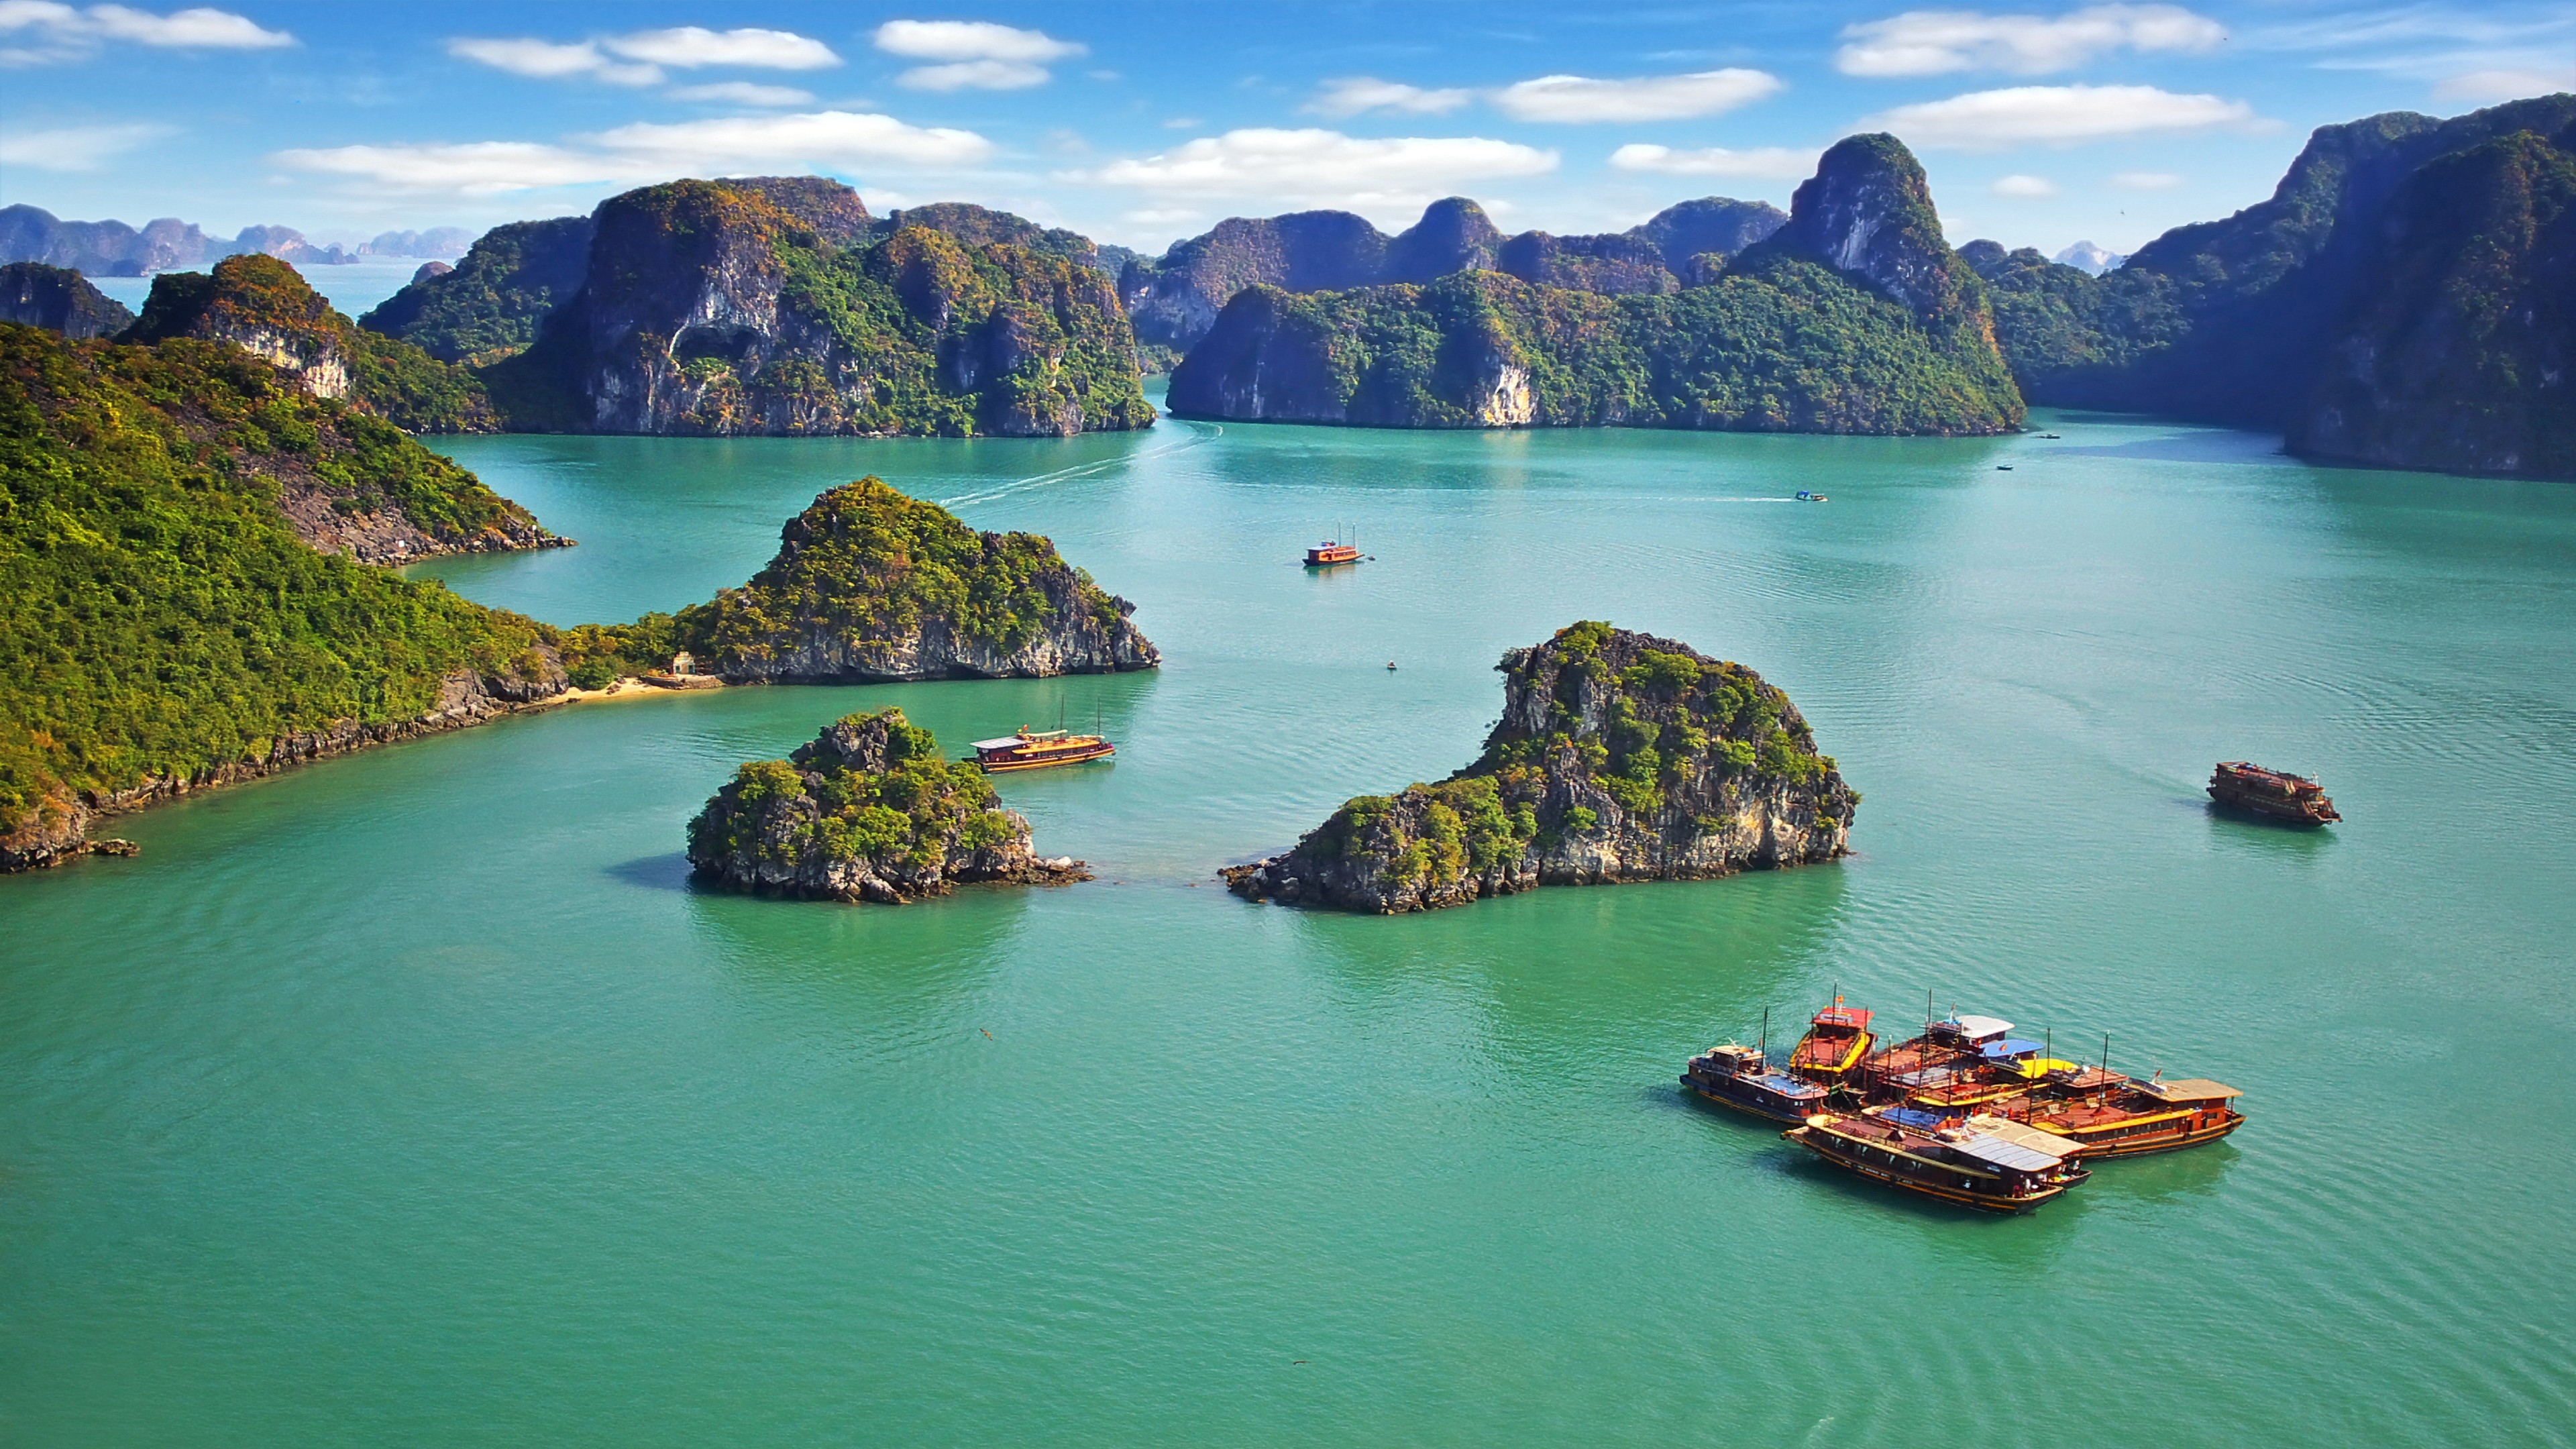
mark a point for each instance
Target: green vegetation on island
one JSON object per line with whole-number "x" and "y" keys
{"x": 489, "y": 306}
{"x": 1619, "y": 757}
{"x": 870, "y": 810}
{"x": 870, "y": 583}
{"x": 163, "y": 621}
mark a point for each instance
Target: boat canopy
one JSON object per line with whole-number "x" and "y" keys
{"x": 2011, "y": 1046}
{"x": 2022, "y": 1134}
{"x": 1915, "y": 1118}
{"x": 1795, "y": 1088}
{"x": 1993, "y": 1149}
{"x": 1844, "y": 1016}
{"x": 2189, "y": 1089}
{"x": 1004, "y": 743}
{"x": 1975, "y": 1028}
{"x": 2038, "y": 1067}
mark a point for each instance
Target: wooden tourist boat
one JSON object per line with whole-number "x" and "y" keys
{"x": 2272, "y": 794}
{"x": 1980, "y": 1163}
{"x": 1331, "y": 552}
{"x": 1040, "y": 749}
{"x": 1836, "y": 1042}
{"x": 1944, "y": 1045}
{"x": 2103, "y": 1114}
{"x": 1741, "y": 1077}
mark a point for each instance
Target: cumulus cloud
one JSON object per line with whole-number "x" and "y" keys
{"x": 688, "y": 47}
{"x": 1765, "y": 163}
{"x": 743, "y": 93}
{"x": 1574, "y": 98}
{"x": 1937, "y": 42}
{"x": 2145, "y": 180}
{"x": 2055, "y": 115}
{"x": 1320, "y": 167}
{"x": 974, "y": 54}
{"x": 2026, "y": 187}
{"x": 2506, "y": 84}
{"x": 73, "y": 148}
{"x": 547, "y": 60}
{"x": 819, "y": 140}
{"x": 42, "y": 31}
{"x": 1353, "y": 95}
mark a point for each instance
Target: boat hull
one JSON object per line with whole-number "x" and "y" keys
{"x": 1749, "y": 1103}
{"x": 1084, "y": 757}
{"x": 2093, "y": 1146}
{"x": 1832, "y": 1150}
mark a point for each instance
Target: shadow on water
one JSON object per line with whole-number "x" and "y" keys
{"x": 2273, "y": 839}
{"x": 883, "y": 965}
{"x": 657, "y": 872}
{"x": 2161, "y": 1176}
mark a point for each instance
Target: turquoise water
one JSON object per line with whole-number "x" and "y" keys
{"x": 414, "y": 1098}
{"x": 353, "y": 287}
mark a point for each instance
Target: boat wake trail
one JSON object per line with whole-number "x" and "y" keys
{"x": 1199, "y": 433}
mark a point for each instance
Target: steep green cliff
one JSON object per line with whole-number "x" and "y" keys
{"x": 1619, "y": 757}
{"x": 59, "y": 299}
{"x": 489, "y": 306}
{"x": 870, "y": 584}
{"x": 265, "y": 307}
{"x": 708, "y": 308}
{"x": 1855, "y": 318}
{"x": 167, "y": 620}
{"x": 2397, "y": 301}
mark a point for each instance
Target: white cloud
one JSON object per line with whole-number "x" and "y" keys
{"x": 1574, "y": 98}
{"x": 73, "y": 148}
{"x": 971, "y": 40}
{"x": 546, "y": 60}
{"x": 60, "y": 32}
{"x": 2145, "y": 180}
{"x": 976, "y": 54}
{"x": 1767, "y": 163}
{"x": 1351, "y": 95}
{"x": 743, "y": 93}
{"x": 975, "y": 75}
{"x": 2506, "y": 84}
{"x": 2056, "y": 115}
{"x": 820, "y": 140}
{"x": 1936, "y": 42}
{"x": 688, "y": 47}
{"x": 1319, "y": 167}
{"x": 2027, "y": 187}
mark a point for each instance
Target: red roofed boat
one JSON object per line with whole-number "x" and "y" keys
{"x": 1836, "y": 1042}
{"x": 2272, "y": 794}
{"x": 1331, "y": 552}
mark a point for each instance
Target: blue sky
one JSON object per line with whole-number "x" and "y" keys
{"x": 1143, "y": 123}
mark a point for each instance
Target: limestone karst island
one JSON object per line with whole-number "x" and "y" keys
{"x": 780, "y": 724}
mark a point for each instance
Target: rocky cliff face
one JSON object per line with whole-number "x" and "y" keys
{"x": 1175, "y": 301}
{"x": 59, "y": 299}
{"x": 1619, "y": 757}
{"x": 2456, "y": 351}
{"x": 710, "y": 308}
{"x": 1867, "y": 212}
{"x": 869, "y": 811}
{"x": 488, "y": 306}
{"x": 871, "y": 585}
{"x": 2345, "y": 309}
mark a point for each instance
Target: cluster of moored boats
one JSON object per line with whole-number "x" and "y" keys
{"x": 1966, "y": 1112}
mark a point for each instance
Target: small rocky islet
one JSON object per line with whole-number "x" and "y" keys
{"x": 1619, "y": 757}
{"x": 869, "y": 811}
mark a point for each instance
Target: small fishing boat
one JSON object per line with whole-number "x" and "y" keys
{"x": 2103, "y": 1114}
{"x": 1836, "y": 1041}
{"x": 1806, "y": 497}
{"x": 1331, "y": 552}
{"x": 2272, "y": 794}
{"x": 2003, "y": 467}
{"x": 1976, "y": 1162}
{"x": 1040, "y": 749}
{"x": 2052, "y": 437}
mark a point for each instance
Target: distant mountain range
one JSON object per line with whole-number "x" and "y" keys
{"x": 2402, "y": 299}
{"x": 113, "y": 249}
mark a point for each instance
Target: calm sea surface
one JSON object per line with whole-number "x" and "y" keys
{"x": 416, "y": 1099}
